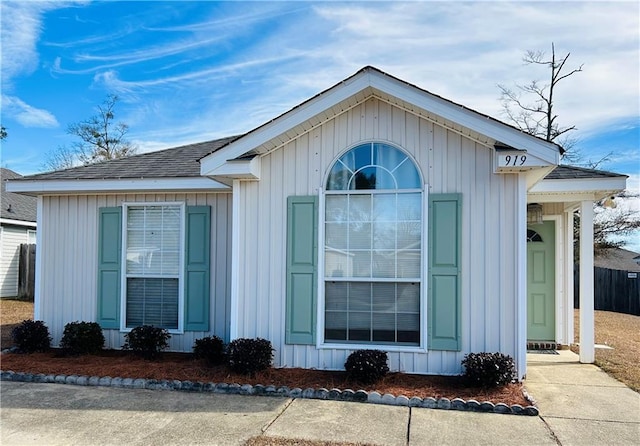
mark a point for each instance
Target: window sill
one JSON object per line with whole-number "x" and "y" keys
{"x": 386, "y": 347}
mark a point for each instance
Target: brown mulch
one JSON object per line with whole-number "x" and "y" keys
{"x": 182, "y": 366}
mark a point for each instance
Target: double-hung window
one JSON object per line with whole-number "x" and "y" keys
{"x": 153, "y": 247}
{"x": 373, "y": 248}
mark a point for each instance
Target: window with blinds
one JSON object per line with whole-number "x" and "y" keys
{"x": 153, "y": 264}
{"x": 373, "y": 247}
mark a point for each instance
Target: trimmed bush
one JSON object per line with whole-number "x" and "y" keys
{"x": 488, "y": 369}
{"x": 82, "y": 338}
{"x": 147, "y": 341}
{"x": 31, "y": 336}
{"x": 211, "y": 349}
{"x": 367, "y": 366}
{"x": 248, "y": 356}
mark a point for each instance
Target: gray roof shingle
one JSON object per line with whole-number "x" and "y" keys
{"x": 177, "y": 162}
{"x": 617, "y": 258}
{"x": 564, "y": 172}
{"x": 16, "y": 206}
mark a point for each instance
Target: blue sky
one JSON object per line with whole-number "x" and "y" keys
{"x": 193, "y": 71}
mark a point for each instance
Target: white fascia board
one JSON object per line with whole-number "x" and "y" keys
{"x": 243, "y": 169}
{"x": 51, "y": 187}
{"x": 8, "y": 221}
{"x": 284, "y": 123}
{"x": 543, "y": 197}
{"x": 467, "y": 118}
{"x": 458, "y": 114}
{"x": 585, "y": 185}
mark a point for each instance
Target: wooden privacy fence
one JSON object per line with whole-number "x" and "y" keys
{"x": 27, "y": 271}
{"x": 614, "y": 290}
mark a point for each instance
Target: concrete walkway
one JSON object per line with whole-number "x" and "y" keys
{"x": 579, "y": 405}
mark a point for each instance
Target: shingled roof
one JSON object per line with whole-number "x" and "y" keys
{"x": 177, "y": 162}
{"x": 16, "y": 206}
{"x": 564, "y": 172}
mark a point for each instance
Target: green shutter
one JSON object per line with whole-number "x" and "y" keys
{"x": 109, "y": 260}
{"x": 302, "y": 259}
{"x": 444, "y": 272}
{"x": 198, "y": 241}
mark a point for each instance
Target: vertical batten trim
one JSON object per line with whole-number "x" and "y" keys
{"x": 37, "y": 299}
{"x": 521, "y": 256}
{"x": 235, "y": 260}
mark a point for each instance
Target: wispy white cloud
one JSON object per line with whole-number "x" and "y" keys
{"x": 111, "y": 81}
{"x": 26, "y": 114}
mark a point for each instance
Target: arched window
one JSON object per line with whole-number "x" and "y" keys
{"x": 373, "y": 247}
{"x": 533, "y": 236}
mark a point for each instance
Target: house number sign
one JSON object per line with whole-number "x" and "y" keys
{"x": 512, "y": 160}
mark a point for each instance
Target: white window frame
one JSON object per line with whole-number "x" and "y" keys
{"x": 320, "y": 286}
{"x": 31, "y": 235}
{"x": 123, "y": 273}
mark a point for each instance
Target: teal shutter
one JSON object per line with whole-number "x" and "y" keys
{"x": 302, "y": 258}
{"x": 109, "y": 261}
{"x": 444, "y": 272}
{"x": 197, "y": 265}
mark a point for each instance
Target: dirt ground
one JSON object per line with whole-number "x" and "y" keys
{"x": 622, "y": 332}
{"x": 12, "y": 312}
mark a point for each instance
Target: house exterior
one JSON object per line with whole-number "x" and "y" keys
{"x": 373, "y": 215}
{"x": 618, "y": 259}
{"x": 17, "y": 226}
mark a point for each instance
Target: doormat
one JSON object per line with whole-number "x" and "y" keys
{"x": 543, "y": 352}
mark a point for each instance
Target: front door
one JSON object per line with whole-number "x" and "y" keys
{"x": 541, "y": 280}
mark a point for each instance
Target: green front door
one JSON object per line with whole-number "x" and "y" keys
{"x": 541, "y": 280}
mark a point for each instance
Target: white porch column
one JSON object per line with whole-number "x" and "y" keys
{"x": 235, "y": 261}
{"x": 569, "y": 337}
{"x": 587, "y": 331}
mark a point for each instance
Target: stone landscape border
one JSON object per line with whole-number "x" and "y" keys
{"x": 360, "y": 396}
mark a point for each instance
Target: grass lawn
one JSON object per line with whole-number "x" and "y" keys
{"x": 622, "y": 332}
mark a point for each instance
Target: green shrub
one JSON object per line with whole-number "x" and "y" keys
{"x": 211, "y": 349}
{"x": 248, "y": 356}
{"x": 31, "y": 336}
{"x": 82, "y": 338}
{"x": 367, "y": 366}
{"x": 147, "y": 341}
{"x": 488, "y": 369}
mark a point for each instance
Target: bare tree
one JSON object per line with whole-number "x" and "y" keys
{"x": 611, "y": 222}
{"x": 3, "y": 133}
{"x": 530, "y": 107}
{"x": 101, "y": 139}
{"x": 61, "y": 158}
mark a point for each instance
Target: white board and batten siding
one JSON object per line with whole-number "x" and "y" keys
{"x": 449, "y": 163}
{"x": 69, "y": 251}
{"x": 11, "y": 237}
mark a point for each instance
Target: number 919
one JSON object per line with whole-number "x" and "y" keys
{"x": 515, "y": 160}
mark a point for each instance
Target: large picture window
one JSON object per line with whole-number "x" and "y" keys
{"x": 373, "y": 247}
{"x": 153, "y": 246}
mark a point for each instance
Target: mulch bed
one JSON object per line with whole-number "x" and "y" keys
{"x": 182, "y": 366}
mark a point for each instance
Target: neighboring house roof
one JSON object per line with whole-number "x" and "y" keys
{"x": 16, "y": 207}
{"x": 564, "y": 172}
{"x": 619, "y": 259}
